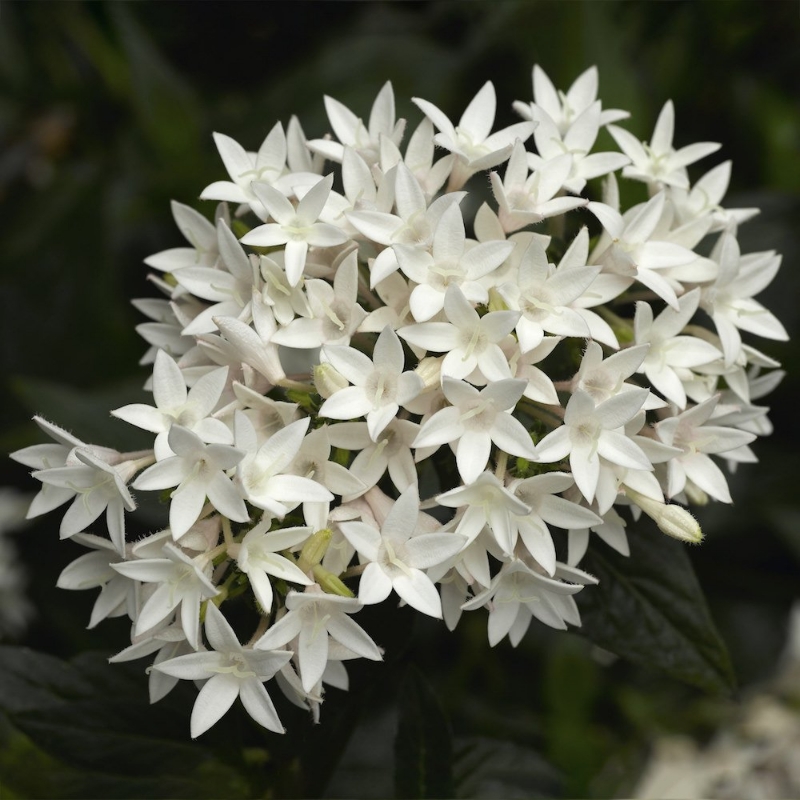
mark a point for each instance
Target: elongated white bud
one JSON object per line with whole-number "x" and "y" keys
{"x": 674, "y": 520}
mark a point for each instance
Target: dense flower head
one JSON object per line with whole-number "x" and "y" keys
{"x": 560, "y": 362}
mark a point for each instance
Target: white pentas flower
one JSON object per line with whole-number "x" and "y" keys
{"x": 518, "y": 593}
{"x": 351, "y": 131}
{"x": 96, "y": 570}
{"x": 469, "y": 340}
{"x": 48, "y": 456}
{"x": 658, "y": 162}
{"x": 729, "y": 300}
{"x": 229, "y": 671}
{"x": 449, "y": 262}
{"x": 229, "y": 286}
{"x": 602, "y": 378}
{"x": 264, "y": 475}
{"x": 258, "y": 557}
{"x": 198, "y": 471}
{"x": 698, "y": 441}
{"x": 543, "y": 295}
{"x": 379, "y": 387}
{"x": 296, "y": 229}
{"x": 396, "y": 556}
{"x": 199, "y": 232}
{"x": 335, "y": 313}
{"x": 671, "y": 356}
{"x": 179, "y": 581}
{"x": 267, "y": 165}
{"x": 541, "y": 494}
{"x": 592, "y": 432}
{"x": 630, "y": 253}
{"x": 525, "y": 199}
{"x": 565, "y": 107}
{"x": 174, "y": 404}
{"x": 486, "y": 502}
{"x": 362, "y": 345}
{"x": 471, "y": 140}
{"x": 577, "y": 143}
{"x": 314, "y": 618}
{"x": 98, "y": 486}
{"x": 390, "y": 452}
{"x": 705, "y": 199}
{"x": 476, "y": 420}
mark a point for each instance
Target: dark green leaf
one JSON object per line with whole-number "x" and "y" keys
{"x": 423, "y": 747}
{"x": 489, "y": 768}
{"x": 96, "y": 720}
{"x": 650, "y": 609}
{"x": 87, "y": 413}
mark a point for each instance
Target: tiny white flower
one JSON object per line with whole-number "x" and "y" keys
{"x": 230, "y": 671}
{"x": 396, "y": 556}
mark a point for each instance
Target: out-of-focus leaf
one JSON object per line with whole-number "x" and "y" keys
{"x": 423, "y": 747}
{"x": 491, "y": 768}
{"x": 97, "y": 721}
{"x": 162, "y": 101}
{"x": 87, "y": 414}
{"x": 650, "y": 609}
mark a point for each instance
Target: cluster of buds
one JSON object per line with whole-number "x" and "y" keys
{"x": 360, "y": 393}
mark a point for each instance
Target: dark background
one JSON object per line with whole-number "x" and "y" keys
{"x": 106, "y": 114}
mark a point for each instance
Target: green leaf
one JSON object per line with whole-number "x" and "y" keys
{"x": 649, "y": 608}
{"x": 87, "y": 412}
{"x": 424, "y": 745}
{"x": 95, "y": 723}
{"x": 497, "y": 768}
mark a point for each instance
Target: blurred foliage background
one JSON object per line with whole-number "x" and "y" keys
{"x": 106, "y": 114}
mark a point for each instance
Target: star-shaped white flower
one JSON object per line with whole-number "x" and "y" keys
{"x": 230, "y": 671}
{"x": 474, "y": 421}
{"x": 379, "y": 387}
{"x": 471, "y": 140}
{"x": 449, "y": 262}
{"x": 180, "y": 581}
{"x": 351, "y": 131}
{"x": 590, "y": 432}
{"x": 258, "y": 556}
{"x": 469, "y": 340}
{"x": 565, "y": 107}
{"x": 98, "y": 486}
{"x": 267, "y": 165}
{"x": 314, "y": 617}
{"x": 295, "y": 228}
{"x": 262, "y": 475}
{"x": 671, "y": 356}
{"x": 526, "y": 199}
{"x": 631, "y": 254}
{"x": 658, "y": 163}
{"x": 191, "y": 409}
{"x": 198, "y": 470}
{"x": 699, "y": 441}
{"x": 396, "y": 556}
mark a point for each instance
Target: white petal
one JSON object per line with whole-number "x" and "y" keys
{"x": 215, "y": 698}
{"x": 419, "y": 592}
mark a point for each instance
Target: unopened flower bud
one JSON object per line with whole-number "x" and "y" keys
{"x": 430, "y": 371}
{"x": 328, "y": 380}
{"x": 671, "y": 519}
{"x": 330, "y": 583}
{"x": 314, "y": 549}
{"x": 496, "y": 301}
{"x": 695, "y": 494}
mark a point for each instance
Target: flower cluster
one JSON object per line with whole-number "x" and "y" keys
{"x": 360, "y": 392}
